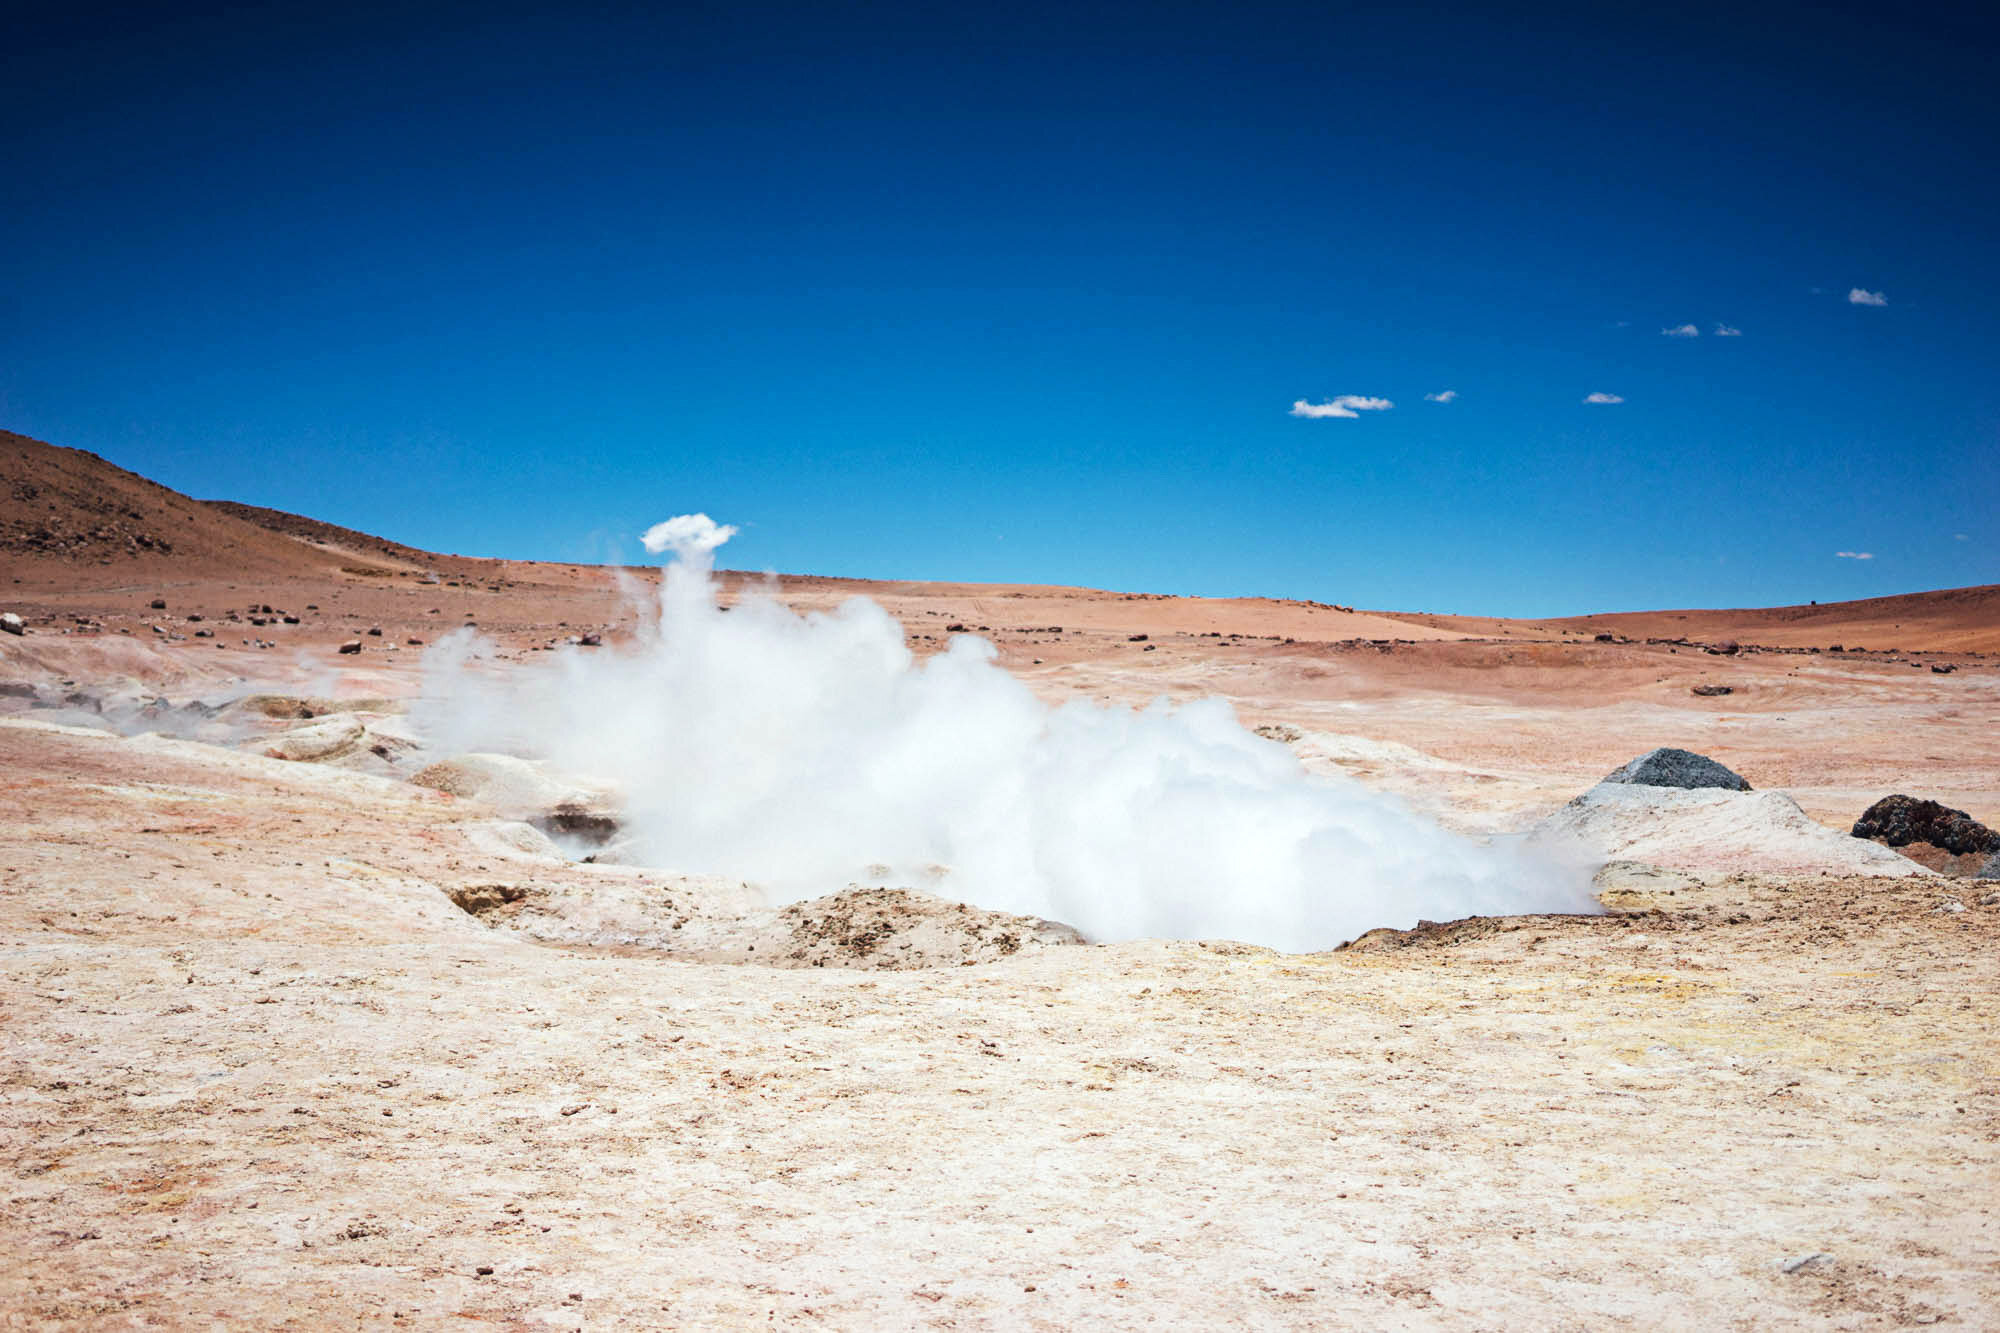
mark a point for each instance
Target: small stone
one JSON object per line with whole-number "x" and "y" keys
{"x": 1712, "y": 691}
{"x": 1803, "y": 1261}
{"x": 158, "y": 603}
{"x": 484, "y": 1270}
{"x": 351, "y": 646}
{"x": 375, "y": 632}
{"x": 12, "y": 624}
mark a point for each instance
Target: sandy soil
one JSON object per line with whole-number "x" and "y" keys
{"x": 303, "y": 1044}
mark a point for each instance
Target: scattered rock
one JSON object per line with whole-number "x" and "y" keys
{"x": 1279, "y": 732}
{"x": 1712, "y": 691}
{"x": 1804, "y": 1261}
{"x": 351, "y": 646}
{"x": 1943, "y": 668}
{"x": 1666, "y": 767}
{"x": 158, "y": 604}
{"x": 375, "y": 632}
{"x": 590, "y": 641}
{"x": 12, "y": 624}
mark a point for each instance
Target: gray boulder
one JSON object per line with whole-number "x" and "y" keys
{"x": 1677, "y": 768}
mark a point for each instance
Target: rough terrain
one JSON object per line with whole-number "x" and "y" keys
{"x": 296, "y": 1042}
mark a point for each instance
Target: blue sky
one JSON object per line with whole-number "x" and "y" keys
{"x": 1028, "y": 293}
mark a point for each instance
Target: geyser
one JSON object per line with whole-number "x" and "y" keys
{"x": 808, "y": 752}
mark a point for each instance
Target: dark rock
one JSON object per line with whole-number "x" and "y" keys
{"x": 1677, "y": 768}
{"x": 12, "y": 624}
{"x": 375, "y": 632}
{"x": 1606, "y": 638}
{"x": 1898, "y": 821}
{"x": 351, "y": 646}
{"x": 1712, "y": 691}
{"x": 590, "y": 641}
{"x": 1136, "y": 638}
{"x": 158, "y": 603}
{"x": 1943, "y": 668}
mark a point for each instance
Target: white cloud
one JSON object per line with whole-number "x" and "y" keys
{"x": 1960, "y": 537}
{"x": 1855, "y": 555}
{"x": 1728, "y": 331}
{"x": 1348, "y": 405}
{"x": 1447, "y": 396}
{"x": 687, "y": 535}
{"x": 1862, "y": 296}
{"x": 1603, "y": 398}
{"x": 1681, "y": 331}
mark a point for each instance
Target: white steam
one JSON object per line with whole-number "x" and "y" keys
{"x": 805, "y": 753}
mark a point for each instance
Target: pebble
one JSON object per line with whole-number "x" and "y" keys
{"x": 1804, "y": 1260}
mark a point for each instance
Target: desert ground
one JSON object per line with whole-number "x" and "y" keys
{"x": 294, "y": 1041}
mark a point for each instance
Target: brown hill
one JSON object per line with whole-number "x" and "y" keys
{"x": 73, "y": 520}
{"x": 71, "y": 512}
{"x": 330, "y": 537}
{"x": 1949, "y": 620}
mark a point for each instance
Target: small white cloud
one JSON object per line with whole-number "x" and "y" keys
{"x": 1681, "y": 331}
{"x": 1447, "y": 396}
{"x": 1603, "y": 398}
{"x": 1728, "y": 331}
{"x": 1960, "y": 537}
{"x": 1348, "y": 405}
{"x": 1861, "y": 296}
{"x": 1855, "y": 555}
{"x": 687, "y": 535}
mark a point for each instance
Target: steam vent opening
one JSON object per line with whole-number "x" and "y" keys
{"x": 789, "y": 750}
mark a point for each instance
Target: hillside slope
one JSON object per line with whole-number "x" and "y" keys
{"x": 70, "y": 512}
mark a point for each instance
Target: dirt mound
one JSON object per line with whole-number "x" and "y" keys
{"x": 1933, "y": 835}
{"x": 1678, "y": 768}
{"x": 1901, "y": 820}
{"x": 1712, "y": 830}
{"x": 900, "y": 928}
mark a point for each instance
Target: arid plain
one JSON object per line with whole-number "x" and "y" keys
{"x": 294, "y": 1041}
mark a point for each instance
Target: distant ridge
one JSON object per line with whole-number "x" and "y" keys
{"x": 326, "y": 536}
{"x": 68, "y": 514}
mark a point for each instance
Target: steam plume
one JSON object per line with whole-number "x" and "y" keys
{"x": 807, "y": 752}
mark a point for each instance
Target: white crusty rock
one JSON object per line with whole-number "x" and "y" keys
{"x": 1713, "y": 830}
